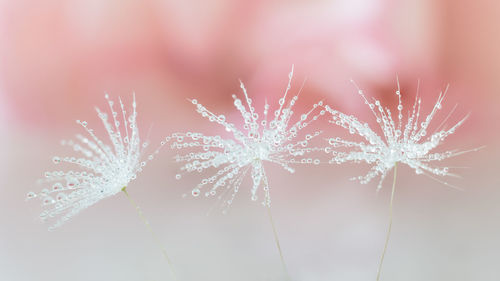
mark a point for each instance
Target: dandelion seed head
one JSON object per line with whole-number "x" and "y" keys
{"x": 269, "y": 137}
{"x": 103, "y": 169}
{"x": 402, "y": 141}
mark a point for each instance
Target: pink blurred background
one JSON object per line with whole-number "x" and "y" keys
{"x": 57, "y": 58}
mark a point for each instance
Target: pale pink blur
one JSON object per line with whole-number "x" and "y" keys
{"x": 57, "y": 58}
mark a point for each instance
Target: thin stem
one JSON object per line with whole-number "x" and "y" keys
{"x": 276, "y": 239}
{"x": 153, "y": 234}
{"x": 390, "y": 223}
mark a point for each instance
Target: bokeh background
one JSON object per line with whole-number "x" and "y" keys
{"x": 57, "y": 58}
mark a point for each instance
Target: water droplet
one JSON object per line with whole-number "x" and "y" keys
{"x": 57, "y": 186}
{"x": 178, "y": 176}
{"x": 31, "y": 195}
{"x": 48, "y": 200}
{"x": 195, "y": 192}
{"x": 56, "y": 160}
{"x": 72, "y": 183}
{"x": 60, "y": 196}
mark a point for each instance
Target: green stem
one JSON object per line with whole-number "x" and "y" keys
{"x": 153, "y": 234}
{"x": 390, "y": 223}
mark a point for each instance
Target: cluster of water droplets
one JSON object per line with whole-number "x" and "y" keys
{"x": 409, "y": 143}
{"x": 266, "y": 138}
{"x": 103, "y": 169}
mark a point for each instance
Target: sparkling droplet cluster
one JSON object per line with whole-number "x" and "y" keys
{"x": 103, "y": 169}
{"x": 409, "y": 143}
{"x": 269, "y": 139}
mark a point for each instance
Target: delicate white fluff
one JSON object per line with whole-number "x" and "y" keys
{"x": 104, "y": 169}
{"x": 261, "y": 140}
{"x": 410, "y": 143}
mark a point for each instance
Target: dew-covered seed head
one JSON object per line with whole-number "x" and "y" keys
{"x": 402, "y": 141}
{"x": 268, "y": 137}
{"x": 103, "y": 167}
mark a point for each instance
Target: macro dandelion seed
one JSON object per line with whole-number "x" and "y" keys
{"x": 270, "y": 140}
{"x": 409, "y": 143}
{"x": 104, "y": 169}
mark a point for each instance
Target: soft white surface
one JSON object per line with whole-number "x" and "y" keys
{"x": 330, "y": 228}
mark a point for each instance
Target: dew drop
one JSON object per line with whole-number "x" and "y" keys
{"x": 60, "y": 196}
{"x": 48, "y": 200}
{"x": 31, "y": 195}
{"x": 57, "y": 186}
{"x": 72, "y": 183}
{"x": 56, "y": 160}
{"x": 178, "y": 176}
{"x": 195, "y": 192}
